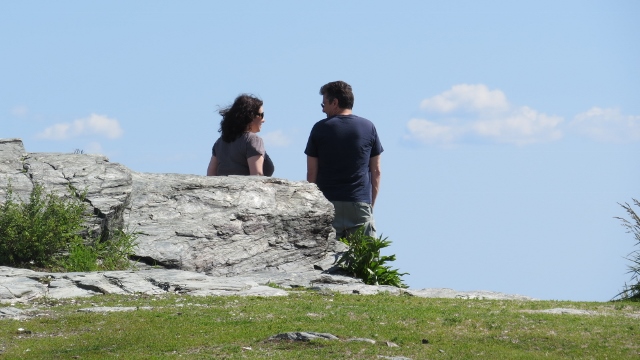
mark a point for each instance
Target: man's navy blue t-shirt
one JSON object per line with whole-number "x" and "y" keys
{"x": 343, "y": 145}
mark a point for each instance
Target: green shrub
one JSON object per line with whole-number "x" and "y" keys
{"x": 36, "y": 232}
{"x": 632, "y": 292}
{"x": 44, "y": 233}
{"x": 363, "y": 260}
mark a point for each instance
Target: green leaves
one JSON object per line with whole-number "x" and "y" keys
{"x": 363, "y": 260}
{"x": 632, "y": 292}
{"x": 45, "y": 233}
{"x": 35, "y": 233}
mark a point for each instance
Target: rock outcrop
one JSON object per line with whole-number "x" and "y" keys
{"x": 213, "y": 225}
{"x": 197, "y": 235}
{"x": 22, "y": 286}
{"x": 229, "y": 225}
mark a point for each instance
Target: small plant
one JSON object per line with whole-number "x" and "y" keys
{"x": 45, "y": 234}
{"x": 632, "y": 292}
{"x": 363, "y": 260}
{"x": 37, "y": 232}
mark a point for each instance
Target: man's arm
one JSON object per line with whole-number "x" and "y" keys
{"x": 212, "y": 170}
{"x": 376, "y": 173}
{"x": 312, "y": 169}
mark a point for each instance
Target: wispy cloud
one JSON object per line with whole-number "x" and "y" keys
{"x": 20, "y": 111}
{"x": 474, "y": 111}
{"x": 520, "y": 126}
{"x": 607, "y": 125}
{"x": 430, "y": 132}
{"x": 276, "y": 138}
{"x": 92, "y": 125}
{"x": 94, "y": 147}
{"x": 467, "y": 97}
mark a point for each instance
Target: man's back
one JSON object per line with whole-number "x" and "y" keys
{"x": 343, "y": 145}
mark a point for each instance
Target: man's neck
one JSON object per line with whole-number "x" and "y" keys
{"x": 344, "y": 112}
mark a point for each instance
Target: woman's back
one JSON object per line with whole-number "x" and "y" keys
{"x": 232, "y": 157}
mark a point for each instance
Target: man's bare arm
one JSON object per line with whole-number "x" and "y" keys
{"x": 376, "y": 173}
{"x": 312, "y": 169}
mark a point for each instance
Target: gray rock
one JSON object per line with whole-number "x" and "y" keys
{"x": 107, "y": 185}
{"x": 370, "y": 341}
{"x": 303, "y": 336}
{"x": 214, "y": 225}
{"x": 236, "y": 235}
{"x": 12, "y": 170}
{"x": 563, "y": 311}
{"x": 19, "y": 285}
{"x": 110, "y": 309}
{"x": 480, "y": 294}
{"x": 229, "y": 225}
{"x": 12, "y": 313}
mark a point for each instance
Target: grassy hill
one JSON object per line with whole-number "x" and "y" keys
{"x": 239, "y": 328}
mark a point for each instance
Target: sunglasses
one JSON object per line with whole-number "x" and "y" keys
{"x": 261, "y": 115}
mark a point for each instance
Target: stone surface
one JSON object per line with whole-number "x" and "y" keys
{"x": 12, "y": 171}
{"x": 20, "y": 285}
{"x": 107, "y": 186}
{"x": 479, "y": 294}
{"x": 110, "y": 309}
{"x": 12, "y": 313}
{"x": 229, "y": 225}
{"x": 197, "y": 235}
{"x": 370, "y": 341}
{"x": 214, "y": 225}
{"x": 303, "y": 336}
{"x": 563, "y": 311}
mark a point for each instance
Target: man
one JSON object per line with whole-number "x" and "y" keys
{"x": 343, "y": 159}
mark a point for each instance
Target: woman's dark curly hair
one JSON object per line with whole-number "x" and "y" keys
{"x": 237, "y": 117}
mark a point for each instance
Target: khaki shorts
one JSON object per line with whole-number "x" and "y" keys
{"x": 350, "y": 216}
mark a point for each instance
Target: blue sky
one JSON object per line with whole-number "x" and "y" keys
{"x": 511, "y": 129}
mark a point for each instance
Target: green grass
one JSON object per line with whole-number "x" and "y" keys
{"x": 226, "y": 327}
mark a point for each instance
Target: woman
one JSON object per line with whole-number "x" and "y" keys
{"x": 239, "y": 151}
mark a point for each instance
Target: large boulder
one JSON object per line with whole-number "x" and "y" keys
{"x": 229, "y": 225}
{"x": 106, "y": 186}
{"x": 214, "y": 225}
{"x": 12, "y": 169}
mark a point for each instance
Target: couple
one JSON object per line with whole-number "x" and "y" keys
{"x": 343, "y": 154}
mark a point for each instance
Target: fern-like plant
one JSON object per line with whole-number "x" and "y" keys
{"x": 363, "y": 260}
{"x": 632, "y": 292}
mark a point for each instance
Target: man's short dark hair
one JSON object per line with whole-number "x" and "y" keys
{"x": 339, "y": 90}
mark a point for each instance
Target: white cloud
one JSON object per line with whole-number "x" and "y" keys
{"x": 276, "y": 138}
{"x": 521, "y": 127}
{"x": 429, "y": 132}
{"x": 608, "y": 125}
{"x": 474, "y": 111}
{"x": 20, "y": 111}
{"x": 94, "y": 148}
{"x": 93, "y": 125}
{"x": 467, "y": 97}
